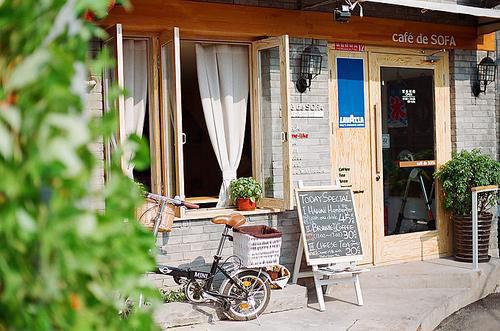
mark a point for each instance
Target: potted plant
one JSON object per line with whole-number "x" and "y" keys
{"x": 458, "y": 176}
{"x": 245, "y": 192}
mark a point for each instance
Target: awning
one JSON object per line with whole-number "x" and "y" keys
{"x": 489, "y": 19}
{"x": 443, "y": 6}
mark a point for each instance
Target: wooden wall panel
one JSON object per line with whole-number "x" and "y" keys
{"x": 351, "y": 149}
{"x": 250, "y": 23}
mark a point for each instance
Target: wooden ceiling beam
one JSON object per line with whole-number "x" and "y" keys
{"x": 251, "y": 23}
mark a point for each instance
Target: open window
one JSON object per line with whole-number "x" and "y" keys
{"x": 206, "y": 133}
{"x": 213, "y": 134}
{"x": 171, "y": 114}
{"x": 136, "y": 112}
{"x": 111, "y": 76}
{"x": 271, "y": 121}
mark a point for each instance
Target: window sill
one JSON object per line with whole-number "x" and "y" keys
{"x": 212, "y": 212}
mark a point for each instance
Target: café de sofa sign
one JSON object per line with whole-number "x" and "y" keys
{"x": 424, "y": 39}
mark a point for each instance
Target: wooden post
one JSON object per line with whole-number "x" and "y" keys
{"x": 475, "y": 248}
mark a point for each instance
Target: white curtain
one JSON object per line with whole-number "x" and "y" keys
{"x": 223, "y": 80}
{"x": 136, "y": 84}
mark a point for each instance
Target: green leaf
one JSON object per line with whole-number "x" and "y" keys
{"x": 6, "y": 141}
{"x": 29, "y": 70}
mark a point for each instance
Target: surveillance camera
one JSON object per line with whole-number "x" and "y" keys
{"x": 342, "y": 15}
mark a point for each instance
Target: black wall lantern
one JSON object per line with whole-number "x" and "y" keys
{"x": 310, "y": 67}
{"x": 486, "y": 71}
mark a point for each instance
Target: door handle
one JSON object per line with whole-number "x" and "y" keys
{"x": 377, "y": 138}
{"x": 358, "y": 191}
{"x": 284, "y": 137}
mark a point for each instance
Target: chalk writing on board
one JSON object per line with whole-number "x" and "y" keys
{"x": 329, "y": 223}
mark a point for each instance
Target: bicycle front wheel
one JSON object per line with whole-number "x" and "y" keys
{"x": 248, "y": 307}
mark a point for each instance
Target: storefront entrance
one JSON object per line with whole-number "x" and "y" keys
{"x": 409, "y": 97}
{"x": 387, "y": 149}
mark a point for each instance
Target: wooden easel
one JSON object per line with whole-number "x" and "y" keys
{"x": 322, "y": 273}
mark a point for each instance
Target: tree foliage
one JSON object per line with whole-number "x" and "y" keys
{"x": 63, "y": 264}
{"x": 463, "y": 172}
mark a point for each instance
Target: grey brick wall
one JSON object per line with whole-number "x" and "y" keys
{"x": 369, "y": 9}
{"x": 310, "y": 156}
{"x": 475, "y": 121}
{"x": 498, "y": 131}
{"x": 497, "y": 37}
{"x": 93, "y": 107}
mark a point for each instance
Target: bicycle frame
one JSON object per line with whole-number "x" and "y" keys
{"x": 206, "y": 276}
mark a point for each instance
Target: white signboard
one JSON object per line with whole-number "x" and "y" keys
{"x": 313, "y": 110}
{"x": 408, "y": 96}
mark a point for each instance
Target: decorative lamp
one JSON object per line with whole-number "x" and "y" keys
{"x": 486, "y": 72}
{"x": 310, "y": 67}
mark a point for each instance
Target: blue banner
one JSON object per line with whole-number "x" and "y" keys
{"x": 351, "y": 93}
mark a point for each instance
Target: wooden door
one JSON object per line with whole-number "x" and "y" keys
{"x": 416, "y": 244}
{"x": 351, "y": 154}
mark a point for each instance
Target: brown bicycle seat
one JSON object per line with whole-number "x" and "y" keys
{"x": 235, "y": 220}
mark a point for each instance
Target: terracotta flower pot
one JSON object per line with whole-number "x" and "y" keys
{"x": 245, "y": 204}
{"x": 463, "y": 237}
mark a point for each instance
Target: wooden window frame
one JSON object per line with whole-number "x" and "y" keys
{"x": 157, "y": 113}
{"x": 282, "y": 42}
{"x": 116, "y": 32}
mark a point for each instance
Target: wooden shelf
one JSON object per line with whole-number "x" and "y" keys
{"x": 418, "y": 163}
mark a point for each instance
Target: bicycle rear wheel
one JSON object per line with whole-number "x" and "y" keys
{"x": 259, "y": 293}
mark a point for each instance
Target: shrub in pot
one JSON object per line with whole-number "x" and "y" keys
{"x": 458, "y": 176}
{"x": 245, "y": 192}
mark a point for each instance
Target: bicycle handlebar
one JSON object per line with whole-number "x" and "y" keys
{"x": 175, "y": 201}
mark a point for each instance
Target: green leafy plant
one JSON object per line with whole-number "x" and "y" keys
{"x": 173, "y": 296}
{"x": 463, "y": 172}
{"x": 245, "y": 187}
{"x": 65, "y": 262}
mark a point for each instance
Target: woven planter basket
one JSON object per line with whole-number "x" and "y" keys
{"x": 147, "y": 212}
{"x": 463, "y": 237}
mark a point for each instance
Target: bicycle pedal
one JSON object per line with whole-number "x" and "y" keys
{"x": 244, "y": 306}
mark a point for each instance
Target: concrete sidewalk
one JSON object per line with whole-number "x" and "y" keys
{"x": 408, "y": 296}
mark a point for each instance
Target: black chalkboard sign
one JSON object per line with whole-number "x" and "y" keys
{"x": 328, "y": 224}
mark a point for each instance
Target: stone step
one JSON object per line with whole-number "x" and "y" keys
{"x": 175, "y": 314}
{"x": 424, "y": 274}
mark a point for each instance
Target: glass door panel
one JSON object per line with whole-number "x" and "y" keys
{"x": 173, "y": 178}
{"x": 271, "y": 162}
{"x": 271, "y": 166}
{"x": 408, "y": 149}
{"x": 169, "y": 123}
{"x": 114, "y": 75}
